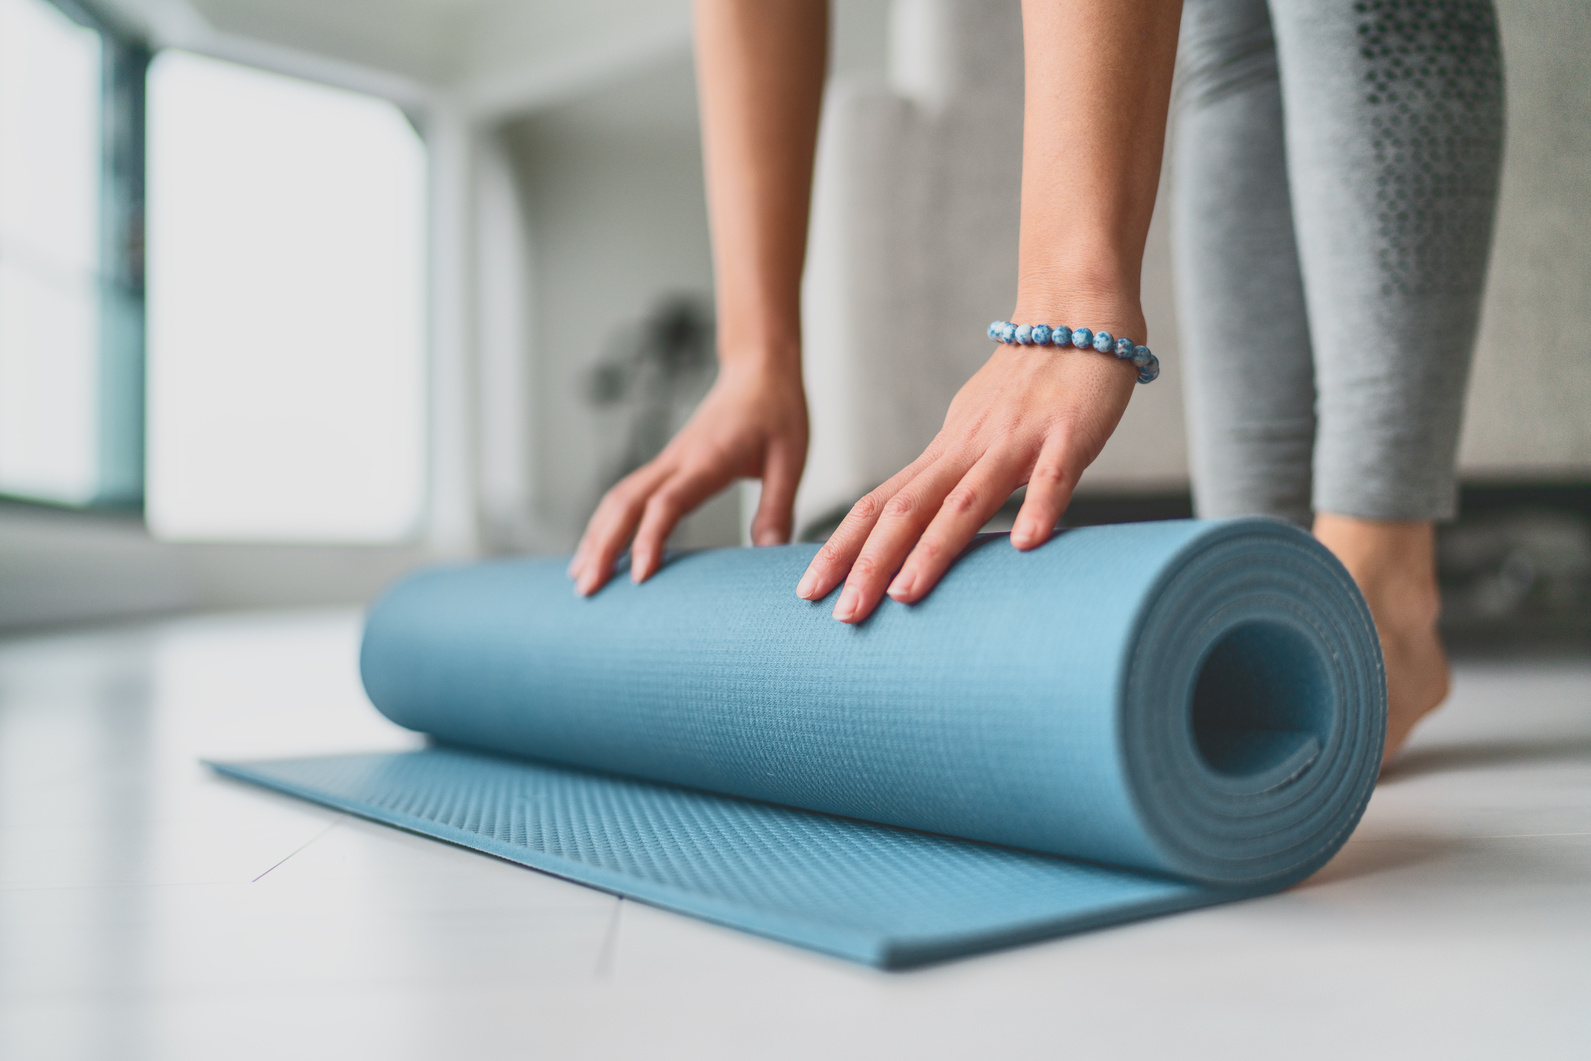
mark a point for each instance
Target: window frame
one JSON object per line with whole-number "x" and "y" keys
{"x": 120, "y": 397}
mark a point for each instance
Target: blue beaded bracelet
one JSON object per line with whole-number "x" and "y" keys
{"x": 1147, "y": 364}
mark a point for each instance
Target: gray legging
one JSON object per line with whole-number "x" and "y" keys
{"x": 1336, "y": 177}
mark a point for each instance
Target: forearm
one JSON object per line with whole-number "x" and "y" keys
{"x": 1098, "y": 84}
{"x": 760, "y": 69}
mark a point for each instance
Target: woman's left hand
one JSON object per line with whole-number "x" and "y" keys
{"x": 1032, "y": 415}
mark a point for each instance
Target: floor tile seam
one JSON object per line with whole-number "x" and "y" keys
{"x": 608, "y": 951}
{"x": 328, "y": 828}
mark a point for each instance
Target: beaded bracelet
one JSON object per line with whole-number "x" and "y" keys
{"x": 1147, "y": 364}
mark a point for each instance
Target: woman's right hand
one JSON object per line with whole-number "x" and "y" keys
{"x": 752, "y": 424}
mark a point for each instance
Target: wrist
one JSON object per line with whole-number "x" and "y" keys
{"x": 1100, "y": 298}
{"x": 1107, "y": 309}
{"x": 779, "y": 362}
{"x": 759, "y": 336}
{"x": 1121, "y": 321}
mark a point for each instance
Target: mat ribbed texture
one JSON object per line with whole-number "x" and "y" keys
{"x": 1159, "y": 716}
{"x": 872, "y": 893}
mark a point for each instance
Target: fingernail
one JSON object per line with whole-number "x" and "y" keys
{"x": 902, "y": 586}
{"x": 845, "y": 608}
{"x": 808, "y": 583}
{"x": 765, "y": 538}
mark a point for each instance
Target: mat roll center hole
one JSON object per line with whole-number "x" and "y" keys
{"x": 1262, "y": 697}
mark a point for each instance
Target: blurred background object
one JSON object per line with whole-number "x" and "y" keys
{"x": 653, "y": 375}
{"x": 1515, "y": 569}
{"x": 425, "y": 276}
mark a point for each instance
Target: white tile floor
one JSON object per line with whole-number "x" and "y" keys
{"x": 150, "y": 910}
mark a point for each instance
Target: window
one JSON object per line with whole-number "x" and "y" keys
{"x": 71, "y": 325}
{"x": 286, "y": 309}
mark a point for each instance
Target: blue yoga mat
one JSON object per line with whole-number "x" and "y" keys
{"x": 1127, "y": 721}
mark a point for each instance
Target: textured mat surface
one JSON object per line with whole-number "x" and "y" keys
{"x": 1158, "y": 715}
{"x": 871, "y": 893}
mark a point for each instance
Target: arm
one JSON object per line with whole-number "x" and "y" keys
{"x": 1094, "y": 127}
{"x": 760, "y": 69}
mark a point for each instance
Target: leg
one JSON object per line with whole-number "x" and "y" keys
{"x": 1394, "y": 140}
{"x": 1240, "y": 297}
{"x": 1394, "y": 564}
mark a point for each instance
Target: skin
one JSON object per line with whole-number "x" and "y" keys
{"x": 1394, "y": 564}
{"x": 1036, "y": 416}
{"x": 1031, "y": 416}
{"x": 760, "y": 70}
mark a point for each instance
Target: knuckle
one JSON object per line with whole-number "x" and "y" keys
{"x": 929, "y": 550}
{"x": 623, "y": 500}
{"x": 1048, "y": 473}
{"x": 703, "y": 464}
{"x": 867, "y": 509}
{"x": 901, "y": 505}
{"x": 632, "y": 485}
{"x": 962, "y": 500}
{"x": 1066, "y": 435}
{"x": 663, "y": 505}
{"x": 866, "y": 567}
{"x": 599, "y": 531}
{"x": 831, "y": 554}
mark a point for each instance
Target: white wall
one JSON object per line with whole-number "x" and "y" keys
{"x": 612, "y": 193}
{"x": 67, "y": 567}
{"x": 1529, "y": 409}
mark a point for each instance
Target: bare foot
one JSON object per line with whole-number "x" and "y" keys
{"x": 1395, "y": 567}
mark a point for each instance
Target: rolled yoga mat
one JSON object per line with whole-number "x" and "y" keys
{"x": 1127, "y": 721}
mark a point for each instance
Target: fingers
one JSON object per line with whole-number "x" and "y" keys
{"x": 900, "y": 525}
{"x": 914, "y": 526}
{"x": 1049, "y": 492}
{"x": 678, "y": 495}
{"x": 648, "y": 504}
{"x": 781, "y": 473}
{"x": 965, "y": 510}
{"x": 610, "y": 528}
{"x": 829, "y": 567}
{"x": 753, "y": 420}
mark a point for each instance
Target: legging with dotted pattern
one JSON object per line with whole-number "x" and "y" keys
{"x": 1335, "y": 178}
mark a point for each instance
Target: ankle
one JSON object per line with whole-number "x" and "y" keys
{"x": 1394, "y": 565}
